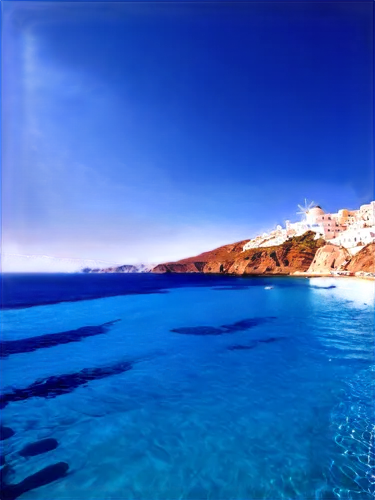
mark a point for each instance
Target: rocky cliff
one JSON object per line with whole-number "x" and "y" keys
{"x": 302, "y": 254}
{"x": 363, "y": 261}
{"x": 329, "y": 258}
{"x": 294, "y": 255}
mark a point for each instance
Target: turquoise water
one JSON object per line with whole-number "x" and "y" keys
{"x": 278, "y": 406}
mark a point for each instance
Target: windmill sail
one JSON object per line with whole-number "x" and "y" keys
{"x": 304, "y": 209}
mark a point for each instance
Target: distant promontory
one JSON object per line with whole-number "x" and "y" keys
{"x": 126, "y": 268}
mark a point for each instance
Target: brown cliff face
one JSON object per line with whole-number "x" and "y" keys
{"x": 205, "y": 262}
{"x": 329, "y": 258}
{"x": 363, "y": 261}
{"x": 294, "y": 255}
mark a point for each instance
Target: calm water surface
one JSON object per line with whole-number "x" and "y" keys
{"x": 190, "y": 387}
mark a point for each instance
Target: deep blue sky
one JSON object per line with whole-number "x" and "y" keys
{"x": 152, "y": 131}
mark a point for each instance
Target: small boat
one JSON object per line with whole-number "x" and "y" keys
{"x": 268, "y": 287}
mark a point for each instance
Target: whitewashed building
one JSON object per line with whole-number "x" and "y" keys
{"x": 359, "y": 227}
{"x": 325, "y": 225}
{"x": 355, "y": 236}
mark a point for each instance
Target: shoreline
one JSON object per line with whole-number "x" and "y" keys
{"x": 322, "y": 275}
{"x": 299, "y": 274}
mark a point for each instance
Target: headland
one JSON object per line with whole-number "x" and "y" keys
{"x": 321, "y": 244}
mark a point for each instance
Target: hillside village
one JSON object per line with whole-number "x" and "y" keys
{"x": 350, "y": 229}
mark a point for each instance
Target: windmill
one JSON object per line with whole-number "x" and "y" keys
{"x": 304, "y": 209}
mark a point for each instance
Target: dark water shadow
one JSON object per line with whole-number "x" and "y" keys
{"x": 6, "y": 432}
{"x": 198, "y": 330}
{"x": 51, "y": 387}
{"x": 41, "y": 478}
{"x": 239, "y": 347}
{"x": 242, "y": 347}
{"x": 239, "y": 326}
{"x": 39, "y": 447}
{"x": 246, "y": 324}
{"x": 30, "y": 344}
{"x": 271, "y": 339}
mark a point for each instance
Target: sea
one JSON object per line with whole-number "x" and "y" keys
{"x": 174, "y": 387}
